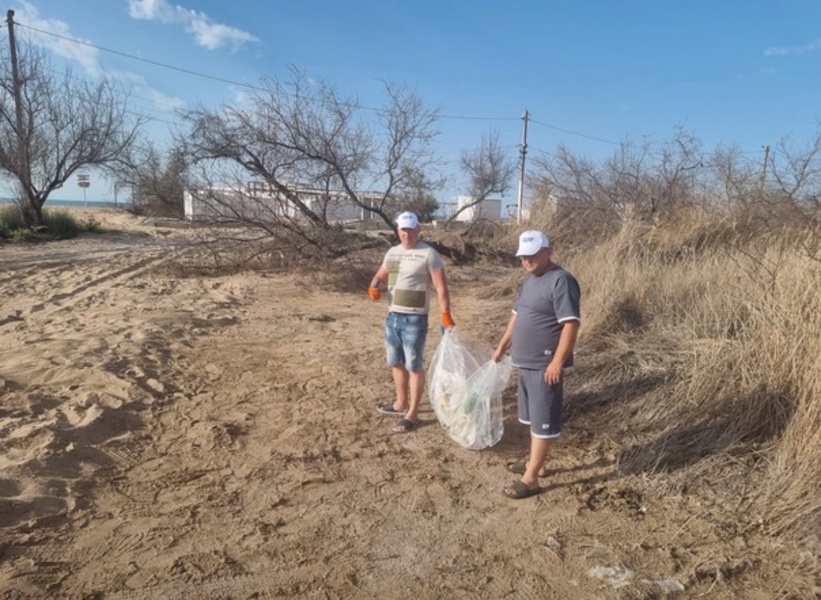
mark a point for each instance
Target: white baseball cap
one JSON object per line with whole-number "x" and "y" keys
{"x": 407, "y": 220}
{"x": 530, "y": 242}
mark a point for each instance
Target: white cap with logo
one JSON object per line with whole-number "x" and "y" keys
{"x": 530, "y": 242}
{"x": 407, "y": 220}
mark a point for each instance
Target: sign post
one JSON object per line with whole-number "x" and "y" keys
{"x": 83, "y": 182}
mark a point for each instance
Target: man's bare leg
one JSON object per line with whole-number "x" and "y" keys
{"x": 538, "y": 454}
{"x": 400, "y": 380}
{"x": 417, "y": 386}
{"x": 528, "y": 485}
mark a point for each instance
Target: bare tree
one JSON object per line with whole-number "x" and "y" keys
{"x": 796, "y": 179}
{"x": 624, "y": 185}
{"x": 674, "y": 184}
{"x": 51, "y": 128}
{"x": 489, "y": 171}
{"x": 418, "y": 196}
{"x": 639, "y": 181}
{"x": 312, "y": 149}
{"x": 587, "y": 194}
{"x": 735, "y": 181}
{"x": 157, "y": 180}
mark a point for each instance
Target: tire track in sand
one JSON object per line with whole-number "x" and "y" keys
{"x": 66, "y": 299}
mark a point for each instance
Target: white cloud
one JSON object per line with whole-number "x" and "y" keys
{"x": 150, "y": 9}
{"x": 61, "y": 42}
{"x": 206, "y": 33}
{"x": 56, "y": 37}
{"x": 163, "y": 101}
{"x": 141, "y": 90}
{"x": 793, "y": 50}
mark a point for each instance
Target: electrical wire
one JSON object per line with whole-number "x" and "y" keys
{"x": 256, "y": 88}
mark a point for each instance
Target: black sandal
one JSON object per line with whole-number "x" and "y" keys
{"x": 519, "y": 490}
{"x": 404, "y": 425}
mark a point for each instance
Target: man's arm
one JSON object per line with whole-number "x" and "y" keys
{"x": 440, "y": 283}
{"x": 379, "y": 282}
{"x": 381, "y": 278}
{"x": 567, "y": 340}
{"x": 504, "y": 343}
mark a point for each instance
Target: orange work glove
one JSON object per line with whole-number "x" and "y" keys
{"x": 374, "y": 293}
{"x": 447, "y": 320}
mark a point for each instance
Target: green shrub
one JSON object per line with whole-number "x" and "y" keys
{"x": 60, "y": 225}
{"x": 57, "y": 225}
{"x": 10, "y": 220}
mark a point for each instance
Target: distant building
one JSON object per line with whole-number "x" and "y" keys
{"x": 259, "y": 202}
{"x": 489, "y": 208}
{"x": 541, "y": 205}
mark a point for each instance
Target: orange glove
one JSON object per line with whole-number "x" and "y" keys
{"x": 447, "y": 320}
{"x": 374, "y": 293}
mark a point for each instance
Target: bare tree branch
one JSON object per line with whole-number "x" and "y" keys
{"x": 489, "y": 171}
{"x": 314, "y": 149}
{"x": 68, "y": 125}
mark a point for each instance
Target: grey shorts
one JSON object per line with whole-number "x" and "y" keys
{"x": 540, "y": 404}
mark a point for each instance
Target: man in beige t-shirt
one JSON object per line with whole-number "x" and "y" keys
{"x": 406, "y": 274}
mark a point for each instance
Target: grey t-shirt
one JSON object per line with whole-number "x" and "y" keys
{"x": 544, "y": 303}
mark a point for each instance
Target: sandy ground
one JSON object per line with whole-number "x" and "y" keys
{"x": 215, "y": 437}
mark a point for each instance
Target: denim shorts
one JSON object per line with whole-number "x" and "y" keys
{"x": 405, "y": 337}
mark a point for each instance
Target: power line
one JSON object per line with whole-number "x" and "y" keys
{"x": 222, "y": 79}
{"x": 576, "y": 133}
{"x": 145, "y": 60}
{"x": 262, "y": 89}
{"x": 466, "y": 118}
{"x": 144, "y": 114}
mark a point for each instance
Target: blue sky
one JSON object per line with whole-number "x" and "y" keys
{"x": 590, "y": 73}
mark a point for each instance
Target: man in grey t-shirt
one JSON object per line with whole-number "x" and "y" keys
{"x": 541, "y": 335}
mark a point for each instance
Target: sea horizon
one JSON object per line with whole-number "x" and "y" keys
{"x": 51, "y": 202}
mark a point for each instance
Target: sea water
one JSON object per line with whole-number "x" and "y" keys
{"x": 52, "y": 202}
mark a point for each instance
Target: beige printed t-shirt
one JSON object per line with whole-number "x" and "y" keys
{"x": 409, "y": 281}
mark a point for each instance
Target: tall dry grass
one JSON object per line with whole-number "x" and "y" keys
{"x": 711, "y": 335}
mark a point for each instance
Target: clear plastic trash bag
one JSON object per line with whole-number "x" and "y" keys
{"x": 465, "y": 389}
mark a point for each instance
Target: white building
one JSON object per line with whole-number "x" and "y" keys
{"x": 489, "y": 208}
{"x": 258, "y": 202}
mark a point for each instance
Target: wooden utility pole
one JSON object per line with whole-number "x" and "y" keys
{"x": 22, "y": 135}
{"x": 764, "y": 168}
{"x": 523, "y": 153}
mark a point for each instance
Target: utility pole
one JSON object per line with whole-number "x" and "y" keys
{"x": 764, "y": 168}
{"x": 523, "y": 153}
{"x": 22, "y": 136}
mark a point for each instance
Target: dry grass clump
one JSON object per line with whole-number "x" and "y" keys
{"x": 709, "y": 352}
{"x": 700, "y": 348}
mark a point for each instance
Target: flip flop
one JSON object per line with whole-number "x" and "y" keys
{"x": 388, "y": 409}
{"x": 404, "y": 425}
{"x": 520, "y": 467}
{"x": 519, "y": 489}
